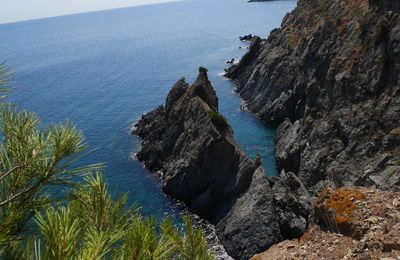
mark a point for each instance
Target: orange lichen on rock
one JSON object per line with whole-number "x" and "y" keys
{"x": 374, "y": 215}
{"x": 341, "y": 202}
{"x": 336, "y": 208}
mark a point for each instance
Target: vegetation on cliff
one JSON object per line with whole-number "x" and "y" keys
{"x": 218, "y": 119}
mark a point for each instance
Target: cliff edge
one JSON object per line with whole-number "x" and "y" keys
{"x": 329, "y": 78}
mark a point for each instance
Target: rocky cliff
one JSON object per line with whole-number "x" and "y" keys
{"x": 329, "y": 78}
{"x": 192, "y": 148}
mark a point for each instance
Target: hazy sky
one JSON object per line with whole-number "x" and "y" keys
{"x": 18, "y": 10}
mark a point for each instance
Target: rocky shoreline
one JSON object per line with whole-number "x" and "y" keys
{"x": 192, "y": 148}
{"x": 329, "y": 80}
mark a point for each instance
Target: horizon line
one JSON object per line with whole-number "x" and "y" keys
{"x": 154, "y": 2}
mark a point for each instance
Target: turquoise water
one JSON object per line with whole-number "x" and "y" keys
{"x": 103, "y": 70}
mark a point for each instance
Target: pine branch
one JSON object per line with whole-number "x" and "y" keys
{"x": 10, "y": 199}
{"x": 25, "y": 164}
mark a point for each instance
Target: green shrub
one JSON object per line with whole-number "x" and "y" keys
{"x": 203, "y": 70}
{"x": 382, "y": 29}
{"x": 218, "y": 118}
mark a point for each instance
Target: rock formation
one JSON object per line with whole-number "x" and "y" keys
{"x": 357, "y": 223}
{"x": 329, "y": 78}
{"x": 247, "y": 38}
{"x": 192, "y": 148}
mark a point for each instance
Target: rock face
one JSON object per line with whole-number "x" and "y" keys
{"x": 329, "y": 78}
{"x": 192, "y": 148}
{"x": 264, "y": 215}
{"x": 357, "y": 223}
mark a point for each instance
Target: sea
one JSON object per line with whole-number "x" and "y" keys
{"x": 103, "y": 70}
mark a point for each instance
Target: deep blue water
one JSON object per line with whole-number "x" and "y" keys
{"x": 102, "y": 70}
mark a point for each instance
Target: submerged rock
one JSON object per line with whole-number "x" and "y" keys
{"x": 201, "y": 164}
